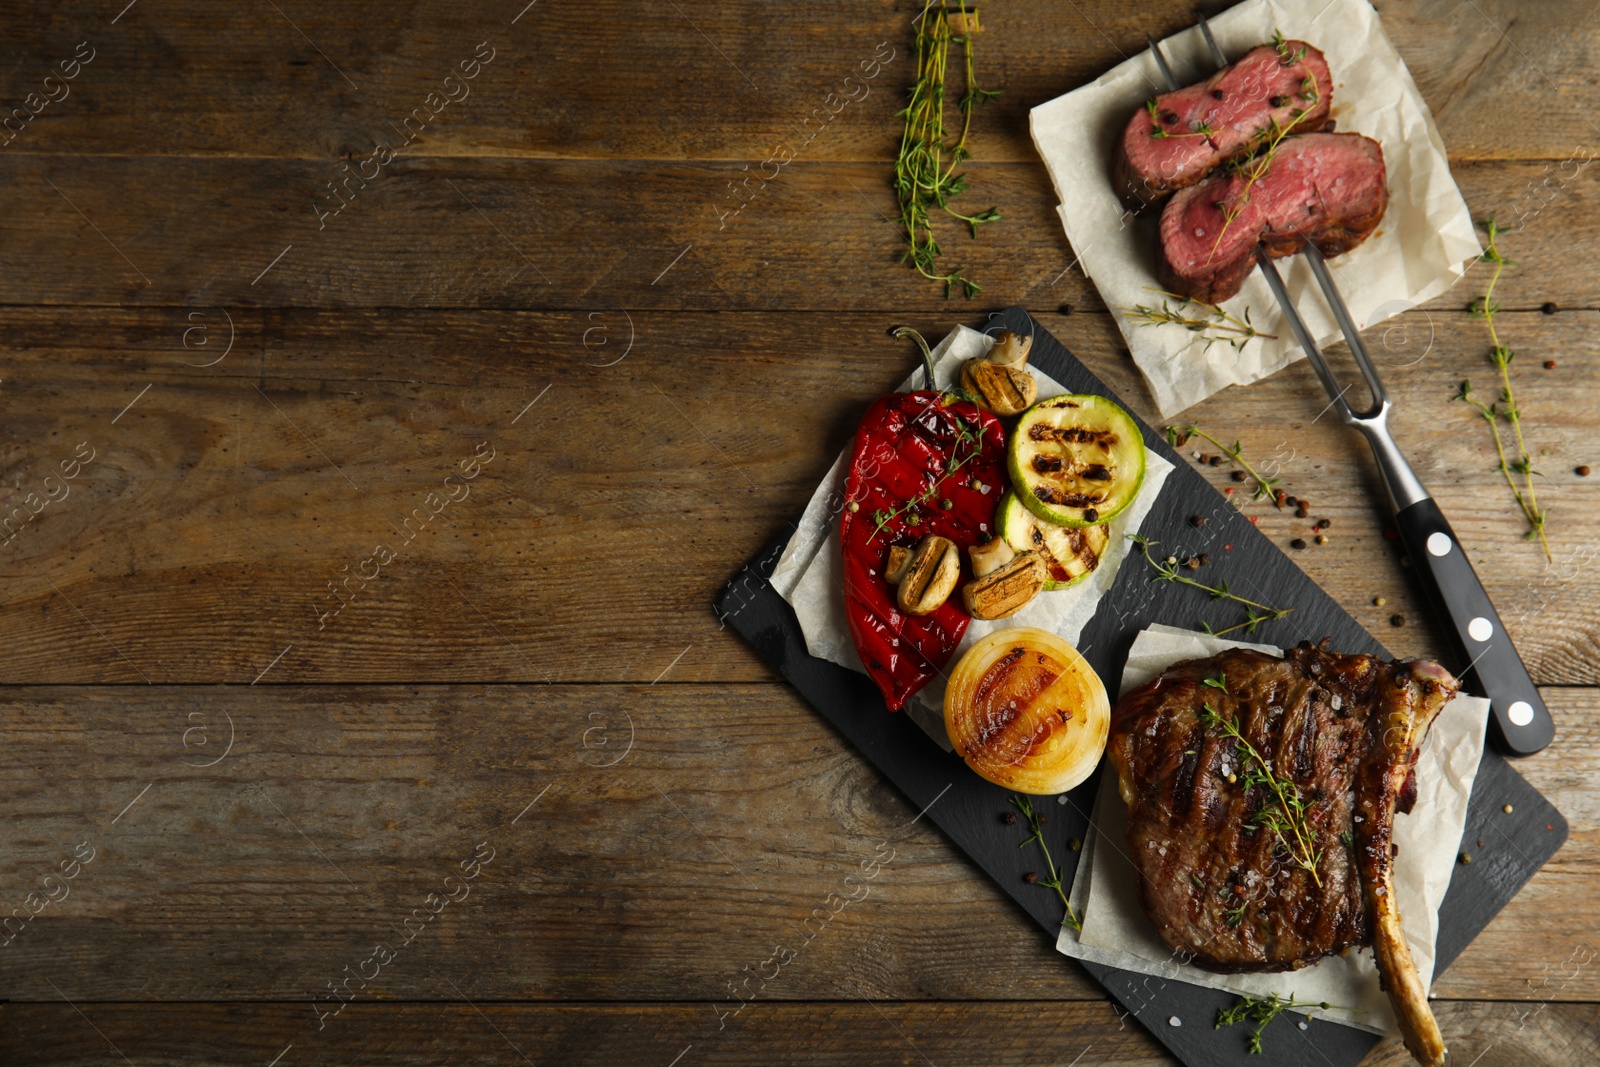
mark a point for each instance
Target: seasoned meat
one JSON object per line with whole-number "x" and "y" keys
{"x": 1325, "y": 188}
{"x": 1228, "y": 873}
{"x": 1186, "y": 134}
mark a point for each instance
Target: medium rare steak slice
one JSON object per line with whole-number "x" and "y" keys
{"x": 1325, "y": 188}
{"x": 1182, "y": 136}
{"x": 1261, "y": 799}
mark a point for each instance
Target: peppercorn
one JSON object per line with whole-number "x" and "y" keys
{"x": 1582, "y": 472}
{"x": 1009, "y": 818}
{"x": 1205, "y": 558}
{"x": 1301, "y": 512}
{"x": 1278, "y": 101}
{"x": 1397, "y": 619}
{"x": 946, "y": 505}
{"x": 1238, "y": 476}
{"x": 1506, "y": 809}
{"x": 1322, "y": 539}
{"x": 1549, "y": 364}
{"x": 1297, "y": 543}
{"x": 1066, "y": 309}
{"x": 1466, "y": 857}
{"x": 1323, "y": 524}
{"x": 1291, "y": 501}
{"x": 1192, "y": 563}
{"x": 1074, "y": 844}
{"x": 1031, "y": 877}
{"x": 1280, "y": 497}
{"x": 1218, "y": 94}
{"x": 1197, "y": 521}
{"x": 1548, "y": 307}
{"x": 1043, "y": 818}
{"x": 1091, "y": 514}
{"x": 852, "y": 507}
{"x": 1215, "y": 461}
{"x": 1380, "y": 601}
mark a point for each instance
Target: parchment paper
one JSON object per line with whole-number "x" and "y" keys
{"x": 808, "y": 573}
{"x": 1117, "y": 932}
{"x": 1417, "y": 252}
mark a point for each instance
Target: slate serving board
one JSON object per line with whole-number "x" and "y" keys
{"x": 968, "y": 809}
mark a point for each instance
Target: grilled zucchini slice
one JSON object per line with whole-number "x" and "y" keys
{"x": 1070, "y": 553}
{"x": 1076, "y": 460}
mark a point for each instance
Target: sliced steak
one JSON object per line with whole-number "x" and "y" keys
{"x": 1328, "y": 189}
{"x": 1182, "y": 136}
{"x": 1224, "y": 876}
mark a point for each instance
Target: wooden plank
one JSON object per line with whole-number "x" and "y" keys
{"x": 823, "y": 1033}
{"x": 622, "y": 79}
{"x": 227, "y": 498}
{"x": 673, "y": 872}
{"x": 592, "y": 235}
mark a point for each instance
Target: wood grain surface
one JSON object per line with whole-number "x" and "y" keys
{"x": 277, "y": 740}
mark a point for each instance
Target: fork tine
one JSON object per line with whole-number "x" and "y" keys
{"x": 1211, "y": 43}
{"x": 1297, "y": 326}
{"x": 1347, "y": 326}
{"x": 1161, "y": 61}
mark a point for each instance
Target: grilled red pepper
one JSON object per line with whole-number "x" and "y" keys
{"x": 925, "y": 463}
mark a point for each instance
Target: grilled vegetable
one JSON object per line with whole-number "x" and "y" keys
{"x": 1005, "y": 590}
{"x": 1070, "y": 553}
{"x": 1027, "y": 712}
{"x": 1076, "y": 460}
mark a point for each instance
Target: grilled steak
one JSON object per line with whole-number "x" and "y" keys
{"x": 1184, "y": 135}
{"x": 1325, "y": 188}
{"x": 1268, "y": 850}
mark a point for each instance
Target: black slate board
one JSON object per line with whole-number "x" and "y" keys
{"x": 967, "y": 808}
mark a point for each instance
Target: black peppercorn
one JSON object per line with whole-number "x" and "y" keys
{"x": 1169, "y": 117}
{"x": 1301, "y": 512}
{"x": 1279, "y": 101}
{"x": 1218, "y": 94}
{"x": 1197, "y": 521}
{"x": 1548, "y": 307}
{"x": 1205, "y": 558}
{"x": 1091, "y": 514}
{"x": 1215, "y": 461}
{"x": 1238, "y": 476}
{"x": 1031, "y": 877}
{"x": 1582, "y": 472}
{"x": 1397, "y": 620}
{"x": 1298, "y": 542}
{"x": 1066, "y": 309}
{"x": 1009, "y": 818}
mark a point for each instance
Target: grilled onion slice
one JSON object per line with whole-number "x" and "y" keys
{"x": 1027, "y": 712}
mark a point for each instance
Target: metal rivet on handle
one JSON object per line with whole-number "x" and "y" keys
{"x": 1438, "y": 544}
{"x": 1480, "y": 629}
{"x": 1520, "y": 713}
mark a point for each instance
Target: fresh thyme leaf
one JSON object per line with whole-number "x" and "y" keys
{"x": 1214, "y": 326}
{"x": 1505, "y": 409}
{"x": 1262, "y": 1010}
{"x": 1036, "y": 824}
{"x": 1167, "y": 571}
{"x": 1264, "y": 487}
{"x": 1287, "y": 813}
{"x": 924, "y": 170}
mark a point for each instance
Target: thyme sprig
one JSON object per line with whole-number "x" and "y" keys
{"x": 1216, "y": 325}
{"x": 1287, "y": 814}
{"x": 1505, "y": 409}
{"x": 1264, "y": 486}
{"x": 1036, "y": 824}
{"x": 1167, "y": 571}
{"x": 1262, "y": 1010}
{"x": 1252, "y": 169}
{"x": 925, "y": 175}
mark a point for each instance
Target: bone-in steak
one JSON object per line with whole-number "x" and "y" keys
{"x": 1184, "y": 135}
{"x": 1229, "y": 873}
{"x": 1325, "y": 188}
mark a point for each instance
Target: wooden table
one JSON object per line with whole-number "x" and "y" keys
{"x": 540, "y": 359}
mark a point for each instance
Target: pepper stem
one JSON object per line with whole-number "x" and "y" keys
{"x": 927, "y": 353}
